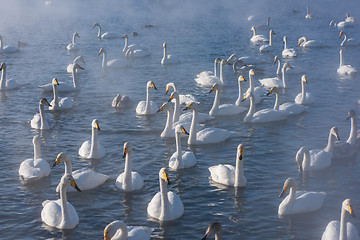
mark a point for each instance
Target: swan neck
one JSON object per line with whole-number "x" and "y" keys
{"x": 43, "y": 121}
{"x": 238, "y": 101}
{"x": 221, "y": 73}
{"x": 94, "y": 142}
{"x": 254, "y": 33}
{"x": 218, "y": 236}
{"x": 251, "y": 108}
{"x": 239, "y": 171}
{"x": 56, "y": 98}
{"x": 292, "y": 195}
{"x": 148, "y": 104}
{"x": 164, "y": 55}
{"x": 303, "y": 91}
{"x": 216, "y": 103}
{"x": 169, "y": 122}
{"x": 283, "y": 77}
{"x": 353, "y": 131}
{"x": 270, "y": 38}
{"x": 285, "y": 44}
{"x": 99, "y": 31}
{"x": 74, "y": 76}
{"x": 104, "y": 60}
{"x": 278, "y": 67}
{"x": 3, "y": 79}
{"x": 37, "y": 153}
{"x": 343, "y": 230}
{"x": 68, "y": 167}
{"x": 1, "y": 44}
{"x": 215, "y": 68}
{"x": 126, "y": 44}
{"x": 65, "y": 215}
{"x": 73, "y": 39}
{"x": 341, "y": 59}
{"x": 193, "y": 128}
{"x": 276, "y": 105}
{"x": 176, "y": 109}
{"x": 127, "y": 183}
{"x": 178, "y": 150}
{"x": 165, "y": 205}
{"x": 343, "y": 41}
{"x": 330, "y": 145}
{"x": 306, "y": 160}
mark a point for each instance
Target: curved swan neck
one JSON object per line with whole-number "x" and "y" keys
{"x": 283, "y": 76}
{"x": 99, "y": 31}
{"x": 3, "y": 79}
{"x": 341, "y": 59}
{"x": 43, "y": 121}
{"x": 73, "y": 39}
{"x": 239, "y": 171}
{"x": 165, "y": 206}
{"x": 126, "y": 44}
{"x": 193, "y": 128}
{"x": 343, "y": 229}
{"x": 68, "y": 166}
{"x": 104, "y": 59}
{"x": 178, "y": 149}
{"x": 221, "y": 73}
{"x": 251, "y": 108}
{"x": 276, "y": 105}
{"x": 74, "y": 76}
{"x": 127, "y": 183}
{"x": 353, "y": 131}
{"x": 215, "y": 68}
{"x": 65, "y": 215}
{"x": 278, "y": 67}
{"x": 241, "y": 95}
{"x": 148, "y": 104}
{"x": 330, "y": 145}
{"x": 169, "y": 122}
{"x": 254, "y": 33}
{"x": 215, "y": 106}
{"x": 345, "y": 39}
{"x": 176, "y": 109}
{"x": 94, "y": 142}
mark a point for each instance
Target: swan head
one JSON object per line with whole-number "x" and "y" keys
{"x": 286, "y": 65}
{"x": 61, "y": 157}
{"x": 351, "y": 114}
{"x": 213, "y": 229}
{"x": 101, "y": 51}
{"x": 76, "y": 35}
{"x": 214, "y": 87}
{"x": 272, "y": 31}
{"x": 44, "y": 102}
{"x": 67, "y": 179}
{"x": 174, "y": 95}
{"x": 241, "y": 79}
{"x": 95, "y": 124}
{"x": 347, "y": 206}
{"x": 284, "y": 39}
{"x": 334, "y": 131}
{"x": 55, "y": 81}
{"x": 218, "y": 60}
{"x": 289, "y": 183}
{"x": 272, "y": 90}
{"x": 3, "y": 66}
{"x": 332, "y": 23}
{"x": 232, "y": 57}
{"x": 127, "y": 149}
{"x": 95, "y": 25}
{"x": 111, "y": 229}
{"x": 165, "y": 106}
{"x": 240, "y": 150}
{"x": 151, "y": 84}
{"x": 247, "y": 95}
{"x": 341, "y": 33}
{"x": 181, "y": 129}
{"x": 252, "y": 28}
{"x": 125, "y": 36}
{"x": 304, "y": 79}
{"x": 192, "y": 105}
{"x": 223, "y": 62}
{"x": 276, "y": 58}
{"x": 169, "y": 86}
{"x": 164, "y": 45}
{"x": 77, "y": 66}
{"x": 251, "y": 72}
{"x": 81, "y": 59}
{"x": 302, "y": 39}
{"x": 164, "y": 175}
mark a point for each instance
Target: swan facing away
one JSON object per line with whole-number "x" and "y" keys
{"x": 40, "y": 120}
{"x": 121, "y": 101}
{"x": 308, "y": 14}
{"x": 288, "y": 52}
{"x": 299, "y": 201}
{"x": 348, "y": 41}
{"x": 208, "y": 81}
{"x": 147, "y": 107}
{"x": 208, "y": 76}
{"x": 345, "y": 69}
{"x": 7, "y": 49}
{"x": 165, "y": 206}
{"x": 6, "y": 84}
{"x": 228, "y": 174}
{"x": 93, "y": 148}
{"x": 304, "y": 43}
{"x": 168, "y": 58}
{"x": 73, "y": 46}
{"x": 129, "y": 180}
{"x": 275, "y": 81}
{"x": 304, "y": 98}
{"x": 257, "y": 39}
{"x": 34, "y": 168}
{"x": 184, "y": 99}
{"x": 59, "y": 103}
{"x": 106, "y": 35}
{"x": 76, "y": 61}
{"x": 290, "y": 107}
{"x": 60, "y": 213}
{"x": 213, "y": 229}
{"x": 342, "y": 230}
{"x": 112, "y": 64}
{"x": 267, "y": 47}
{"x": 118, "y": 230}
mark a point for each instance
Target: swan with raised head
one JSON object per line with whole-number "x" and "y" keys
{"x": 299, "y": 201}
{"x": 304, "y": 43}
{"x": 40, "y": 120}
{"x": 258, "y": 92}
{"x": 184, "y": 99}
{"x": 113, "y": 63}
{"x": 211, "y": 80}
{"x": 181, "y": 159}
{"x": 127, "y": 46}
{"x": 86, "y": 178}
{"x": 239, "y": 101}
{"x": 275, "y": 81}
{"x": 348, "y": 41}
{"x": 76, "y": 61}
{"x": 342, "y": 24}
{"x": 207, "y": 76}
{"x": 308, "y": 14}
{"x": 213, "y": 229}
{"x": 290, "y": 107}
{"x": 121, "y": 101}
{"x": 223, "y": 109}
{"x": 267, "y": 47}
{"x": 93, "y": 148}
{"x": 288, "y": 52}
{"x": 345, "y": 69}
{"x": 342, "y": 230}
{"x": 165, "y": 205}
{"x": 106, "y": 35}
{"x": 6, "y": 84}
{"x": 7, "y": 49}
{"x": 304, "y": 98}
{"x": 257, "y": 39}
{"x": 168, "y": 58}
{"x": 129, "y": 180}
{"x": 59, "y": 103}
{"x": 73, "y": 46}
{"x": 348, "y": 18}
{"x": 34, "y": 168}
{"x": 147, "y": 107}
{"x": 118, "y": 230}
{"x": 60, "y": 213}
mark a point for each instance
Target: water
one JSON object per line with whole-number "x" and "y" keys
{"x": 197, "y": 32}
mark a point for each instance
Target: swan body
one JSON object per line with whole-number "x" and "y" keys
{"x": 213, "y": 229}
{"x": 106, "y": 35}
{"x": 267, "y": 47}
{"x": 129, "y": 180}
{"x": 288, "y": 52}
{"x": 299, "y": 201}
{"x": 34, "y": 168}
{"x": 93, "y": 149}
{"x": 117, "y": 230}
{"x": 59, "y": 103}
{"x": 165, "y": 206}
{"x": 349, "y": 19}
{"x": 304, "y": 43}
{"x": 76, "y": 61}
{"x": 345, "y": 69}
{"x": 245, "y": 60}
{"x": 136, "y": 53}
{"x": 4, "y": 83}
{"x": 147, "y": 107}
{"x": 342, "y": 24}
{"x": 304, "y": 98}
{"x": 258, "y": 92}
{"x": 7, "y": 49}
{"x": 275, "y": 81}
{"x": 290, "y": 107}
{"x": 348, "y": 41}
{"x": 112, "y": 64}
{"x": 121, "y": 101}
{"x": 73, "y": 46}
{"x": 40, "y": 120}
{"x": 308, "y": 14}
{"x": 257, "y": 39}
{"x": 211, "y": 80}
{"x": 60, "y": 213}
{"x": 168, "y": 58}
{"x": 207, "y": 76}
{"x": 128, "y": 46}
{"x": 184, "y": 99}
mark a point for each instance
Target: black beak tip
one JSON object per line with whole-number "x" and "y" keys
{"x": 53, "y": 165}
{"x": 169, "y": 100}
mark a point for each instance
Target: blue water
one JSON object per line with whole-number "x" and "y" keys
{"x": 197, "y": 32}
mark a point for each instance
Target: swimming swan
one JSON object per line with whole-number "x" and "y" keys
{"x": 290, "y": 107}
{"x": 304, "y": 43}
{"x": 106, "y": 35}
{"x": 129, "y": 180}
{"x": 7, "y": 49}
{"x": 117, "y": 230}
{"x": 258, "y": 92}
{"x": 345, "y": 69}
{"x": 275, "y": 81}
{"x": 168, "y": 58}
{"x": 299, "y": 201}
{"x": 207, "y": 77}
{"x": 239, "y": 101}
{"x": 342, "y": 24}
{"x": 348, "y": 41}
{"x": 267, "y": 47}
{"x": 288, "y": 52}
{"x": 257, "y": 39}
{"x": 34, "y": 168}
{"x": 93, "y": 148}
{"x": 59, "y": 103}
{"x": 4, "y": 83}
{"x": 348, "y": 18}
{"x": 184, "y": 99}
{"x": 147, "y": 107}
{"x": 121, "y": 101}
{"x": 213, "y": 229}
{"x": 112, "y": 64}
{"x": 137, "y": 53}
{"x": 40, "y": 120}
{"x": 211, "y": 80}
{"x": 308, "y": 15}
{"x": 165, "y": 206}
{"x": 304, "y": 98}
{"x": 73, "y": 46}
{"x": 76, "y": 61}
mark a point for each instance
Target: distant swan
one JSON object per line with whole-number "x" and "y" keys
{"x": 76, "y": 61}
{"x": 6, "y": 84}
{"x": 93, "y": 148}
{"x": 73, "y": 46}
{"x": 345, "y": 69}
{"x": 184, "y": 99}
{"x": 258, "y": 92}
{"x": 288, "y": 52}
{"x": 208, "y": 76}
{"x": 137, "y": 53}
{"x": 7, "y": 49}
{"x": 106, "y": 35}
{"x": 40, "y": 120}
{"x": 304, "y": 98}
{"x": 147, "y": 107}
{"x": 290, "y": 107}
{"x": 117, "y": 230}
{"x": 267, "y": 47}
{"x": 121, "y": 101}
{"x": 304, "y": 43}
{"x": 114, "y": 63}
{"x": 213, "y": 229}
{"x": 275, "y": 81}
{"x": 210, "y": 80}
{"x": 59, "y": 103}
{"x": 342, "y": 24}
{"x": 308, "y": 15}
{"x": 257, "y": 39}
{"x": 127, "y": 46}
{"x": 348, "y": 41}
{"x": 168, "y": 58}
{"x": 348, "y": 18}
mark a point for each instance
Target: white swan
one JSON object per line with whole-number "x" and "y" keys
{"x": 121, "y": 101}
{"x": 244, "y": 60}
{"x": 290, "y": 107}
{"x": 206, "y": 135}
{"x": 127, "y": 46}
{"x": 6, "y": 84}
{"x": 342, "y": 24}
{"x": 223, "y": 109}
{"x": 304, "y": 43}
{"x": 76, "y": 61}
{"x": 40, "y": 120}
{"x": 345, "y": 69}
{"x": 317, "y": 159}
{"x": 86, "y": 178}
{"x": 59, "y": 103}
{"x": 60, "y": 213}
{"x": 147, "y": 107}
{"x": 165, "y": 206}
{"x": 299, "y": 201}
{"x": 257, "y": 39}
{"x": 304, "y": 98}
{"x": 267, "y": 47}
{"x": 308, "y": 14}
{"x": 137, "y": 53}
{"x": 275, "y": 81}
{"x": 93, "y": 148}
{"x": 239, "y": 101}
{"x": 342, "y": 230}
{"x": 181, "y": 159}
{"x": 288, "y": 52}
{"x": 258, "y": 92}
{"x": 129, "y": 180}
{"x": 207, "y": 76}
{"x": 34, "y": 168}
{"x": 73, "y": 46}
{"x": 118, "y": 230}
{"x": 7, "y": 49}
{"x": 106, "y": 35}
{"x": 210, "y": 80}
{"x": 213, "y": 229}
{"x": 348, "y": 41}
{"x": 114, "y": 63}
{"x": 348, "y": 18}
{"x": 168, "y": 58}
{"x": 184, "y": 99}
{"x": 228, "y": 174}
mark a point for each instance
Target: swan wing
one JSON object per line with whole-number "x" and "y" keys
{"x": 187, "y": 99}
{"x": 66, "y": 103}
{"x": 11, "y": 84}
{"x": 343, "y": 150}
{"x": 229, "y": 109}
{"x": 292, "y": 108}
{"x": 271, "y": 82}
{"x": 87, "y": 179}
{"x": 224, "y": 174}
{"x": 265, "y": 48}
{"x": 35, "y": 122}
{"x": 308, "y": 202}
{"x": 212, "y": 135}
{"x": 207, "y": 80}
{"x": 28, "y": 171}
{"x": 202, "y": 117}
{"x": 332, "y": 231}
{"x": 140, "y": 109}
{"x": 176, "y": 205}
{"x": 51, "y": 214}
{"x": 346, "y": 70}
{"x": 352, "y": 232}
{"x": 269, "y": 115}
{"x": 139, "y": 233}
{"x": 84, "y": 150}
{"x": 320, "y": 159}
{"x": 154, "y": 206}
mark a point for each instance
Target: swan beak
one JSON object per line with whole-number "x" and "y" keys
{"x": 211, "y": 90}
{"x": 171, "y": 98}
{"x": 166, "y": 178}
{"x": 283, "y": 192}
{"x": 97, "y": 126}
{"x": 183, "y": 130}
{"x": 289, "y": 66}
{"x": 106, "y": 237}
{"x": 351, "y": 211}
{"x": 153, "y": 86}
{"x": 270, "y": 92}
{"x": 244, "y": 99}
{"x": 241, "y": 155}
{"x": 80, "y": 67}
{"x": 204, "y": 237}
{"x": 166, "y": 91}
{"x": 125, "y": 152}
{"x": 161, "y": 108}
{"x": 57, "y": 161}
{"x": 227, "y": 63}
{"x": 2, "y": 67}
{"x": 73, "y": 184}
{"x": 187, "y": 107}
{"x": 348, "y": 117}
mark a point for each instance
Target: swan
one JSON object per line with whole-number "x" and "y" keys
{"x": 304, "y": 98}
{"x": 64, "y": 87}
{"x": 114, "y": 63}
{"x": 245, "y": 60}
{"x": 184, "y": 99}
{"x": 181, "y": 159}
{"x": 7, "y": 49}
{"x": 290, "y": 107}
{"x": 342, "y": 24}
{"x": 40, "y": 120}
{"x": 349, "y": 148}
{"x": 117, "y": 230}
{"x": 60, "y": 213}
{"x": 275, "y": 81}
{"x": 213, "y": 229}
{"x": 342, "y": 230}
{"x": 223, "y": 109}
{"x": 34, "y": 168}
{"x": 76, "y": 61}
{"x": 288, "y": 52}
{"x": 168, "y": 58}
{"x": 136, "y": 53}
{"x": 345, "y": 69}
{"x": 299, "y": 201}
{"x": 106, "y": 35}
{"x": 267, "y": 47}
{"x": 264, "y": 26}
{"x": 129, "y": 180}
{"x": 147, "y": 107}
{"x": 93, "y": 148}
{"x": 165, "y": 206}
{"x": 258, "y": 91}
{"x": 86, "y": 179}
{"x": 4, "y": 83}
{"x": 257, "y": 39}
{"x": 126, "y": 45}
{"x": 228, "y": 174}
{"x": 317, "y": 159}
{"x": 73, "y": 46}
{"x": 308, "y": 15}
{"x": 121, "y": 101}
{"x": 348, "y": 18}
{"x": 209, "y": 81}
{"x": 348, "y": 41}
{"x": 206, "y": 135}
{"x": 304, "y": 43}
{"x": 207, "y": 76}
{"x": 59, "y": 103}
